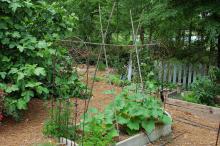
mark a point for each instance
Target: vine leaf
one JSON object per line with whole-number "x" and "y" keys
{"x": 133, "y": 125}
{"x": 148, "y": 126}
{"x": 166, "y": 119}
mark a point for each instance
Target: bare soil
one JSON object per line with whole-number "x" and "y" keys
{"x": 29, "y": 130}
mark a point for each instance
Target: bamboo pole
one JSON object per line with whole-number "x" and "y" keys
{"x": 136, "y": 48}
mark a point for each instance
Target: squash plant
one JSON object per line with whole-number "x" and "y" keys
{"x": 135, "y": 111}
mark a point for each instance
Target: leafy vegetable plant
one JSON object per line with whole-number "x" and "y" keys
{"x": 97, "y": 130}
{"x": 135, "y": 111}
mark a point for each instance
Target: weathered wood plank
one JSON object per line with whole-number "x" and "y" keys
{"x": 196, "y": 109}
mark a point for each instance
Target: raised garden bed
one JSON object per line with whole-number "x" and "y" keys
{"x": 140, "y": 139}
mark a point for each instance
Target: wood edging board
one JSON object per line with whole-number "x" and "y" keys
{"x": 207, "y": 112}
{"x": 136, "y": 140}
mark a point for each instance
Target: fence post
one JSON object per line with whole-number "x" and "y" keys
{"x": 184, "y": 76}
{"x": 165, "y": 73}
{"x": 170, "y": 72}
{"x": 190, "y": 75}
{"x": 179, "y": 73}
{"x": 174, "y": 73}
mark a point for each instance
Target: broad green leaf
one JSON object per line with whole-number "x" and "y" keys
{"x": 42, "y": 44}
{"x": 22, "y": 104}
{"x": 166, "y": 120}
{"x": 122, "y": 120}
{"x": 3, "y": 74}
{"x": 119, "y": 103}
{"x": 40, "y": 71}
{"x": 11, "y": 88}
{"x": 32, "y": 84}
{"x": 27, "y": 95}
{"x": 21, "y": 48}
{"x": 149, "y": 126}
{"x": 133, "y": 125}
{"x": 13, "y": 71}
{"x": 16, "y": 34}
{"x": 113, "y": 133}
{"x": 20, "y": 76}
{"x": 41, "y": 90}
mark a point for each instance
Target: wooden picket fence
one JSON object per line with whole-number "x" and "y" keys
{"x": 179, "y": 73}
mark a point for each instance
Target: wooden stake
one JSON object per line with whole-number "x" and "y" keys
{"x": 136, "y": 48}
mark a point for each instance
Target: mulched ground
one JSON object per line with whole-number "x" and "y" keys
{"x": 29, "y": 131}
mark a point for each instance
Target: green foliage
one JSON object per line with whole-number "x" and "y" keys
{"x": 28, "y": 30}
{"x": 116, "y": 80}
{"x": 204, "y": 90}
{"x": 101, "y": 66}
{"x": 58, "y": 124}
{"x": 69, "y": 85}
{"x": 136, "y": 111}
{"x": 190, "y": 97}
{"x": 97, "y": 131}
{"x": 214, "y": 74}
{"x": 24, "y": 88}
{"x": 98, "y": 79}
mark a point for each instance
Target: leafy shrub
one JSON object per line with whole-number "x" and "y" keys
{"x": 214, "y": 74}
{"x": 28, "y": 30}
{"x": 204, "y": 90}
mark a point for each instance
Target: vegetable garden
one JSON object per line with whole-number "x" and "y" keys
{"x": 110, "y": 73}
